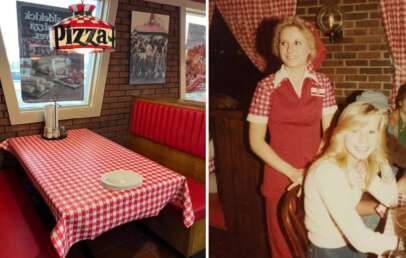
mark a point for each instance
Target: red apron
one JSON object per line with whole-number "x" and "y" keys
{"x": 295, "y": 133}
{"x": 295, "y": 130}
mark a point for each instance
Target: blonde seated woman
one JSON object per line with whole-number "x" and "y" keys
{"x": 335, "y": 182}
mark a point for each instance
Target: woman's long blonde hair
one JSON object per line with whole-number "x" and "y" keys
{"x": 355, "y": 116}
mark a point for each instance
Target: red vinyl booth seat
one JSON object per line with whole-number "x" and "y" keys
{"x": 180, "y": 128}
{"x": 22, "y": 233}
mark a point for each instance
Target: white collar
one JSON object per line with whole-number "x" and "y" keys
{"x": 282, "y": 74}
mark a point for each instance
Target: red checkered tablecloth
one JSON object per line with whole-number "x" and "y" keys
{"x": 67, "y": 173}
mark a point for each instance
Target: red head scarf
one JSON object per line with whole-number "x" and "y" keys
{"x": 321, "y": 50}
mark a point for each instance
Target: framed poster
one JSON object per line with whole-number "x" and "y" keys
{"x": 196, "y": 61}
{"x": 45, "y": 74}
{"x": 148, "y": 47}
{"x": 195, "y": 56}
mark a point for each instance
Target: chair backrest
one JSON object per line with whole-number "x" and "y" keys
{"x": 293, "y": 222}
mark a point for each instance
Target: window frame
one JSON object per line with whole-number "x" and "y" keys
{"x": 97, "y": 82}
{"x": 183, "y": 6}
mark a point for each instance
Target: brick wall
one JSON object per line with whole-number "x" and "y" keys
{"x": 114, "y": 120}
{"x": 361, "y": 60}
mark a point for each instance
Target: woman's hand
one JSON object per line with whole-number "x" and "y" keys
{"x": 259, "y": 146}
{"x": 357, "y": 174}
{"x": 296, "y": 176}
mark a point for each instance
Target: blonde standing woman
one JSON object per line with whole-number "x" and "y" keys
{"x": 292, "y": 104}
{"x": 335, "y": 182}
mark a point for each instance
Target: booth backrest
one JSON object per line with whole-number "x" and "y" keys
{"x": 170, "y": 132}
{"x": 179, "y": 127}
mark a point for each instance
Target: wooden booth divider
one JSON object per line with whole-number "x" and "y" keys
{"x": 239, "y": 175}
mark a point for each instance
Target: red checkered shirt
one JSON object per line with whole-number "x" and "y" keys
{"x": 67, "y": 173}
{"x": 401, "y": 199}
{"x": 261, "y": 102}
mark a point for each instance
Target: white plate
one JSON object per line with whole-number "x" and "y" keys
{"x": 121, "y": 179}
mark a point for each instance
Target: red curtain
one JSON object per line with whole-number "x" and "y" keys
{"x": 244, "y": 16}
{"x": 212, "y": 6}
{"x": 394, "y": 20}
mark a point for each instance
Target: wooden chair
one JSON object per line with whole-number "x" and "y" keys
{"x": 293, "y": 222}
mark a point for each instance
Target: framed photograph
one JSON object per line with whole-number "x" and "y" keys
{"x": 149, "y": 44}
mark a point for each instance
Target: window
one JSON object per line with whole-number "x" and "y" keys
{"x": 32, "y": 75}
{"x": 193, "y": 26}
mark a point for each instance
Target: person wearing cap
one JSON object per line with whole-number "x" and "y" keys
{"x": 293, "y": 104}
{"x": 375, "y": 98}
{"x": 397, "y": 119}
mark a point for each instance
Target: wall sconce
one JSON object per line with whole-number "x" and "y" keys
{"x": 330, "y": 22}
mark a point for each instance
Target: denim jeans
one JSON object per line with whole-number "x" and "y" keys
{"x": 342, "y": 252}
{"x": 371, "y": 221}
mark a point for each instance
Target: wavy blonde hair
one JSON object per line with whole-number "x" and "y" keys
{"x": 294, "y": 21}
{"x": 358, "y": 115}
